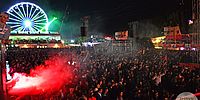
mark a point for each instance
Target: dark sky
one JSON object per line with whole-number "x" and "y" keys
{"x": 106, "y": 16}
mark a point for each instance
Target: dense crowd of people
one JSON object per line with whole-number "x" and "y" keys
{"x": 145, "y": 74}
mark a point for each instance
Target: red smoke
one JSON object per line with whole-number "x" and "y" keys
{"x": 47, "y": 78}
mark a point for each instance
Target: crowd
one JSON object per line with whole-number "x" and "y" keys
{"x": 146, "y": 74}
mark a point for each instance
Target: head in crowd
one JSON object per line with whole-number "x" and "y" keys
{"x": 4, "y": 17}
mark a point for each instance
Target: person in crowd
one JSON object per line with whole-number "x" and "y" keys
{"x": 4, "y": 28}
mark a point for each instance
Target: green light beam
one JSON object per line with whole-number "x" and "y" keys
{"x": 47, "y": 25}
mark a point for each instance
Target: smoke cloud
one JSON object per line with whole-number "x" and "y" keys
{"x": 47, "y": 78}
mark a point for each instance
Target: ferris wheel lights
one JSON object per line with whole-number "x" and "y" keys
{"x": 27, "y": 23}
{"x": 27, "y": 17}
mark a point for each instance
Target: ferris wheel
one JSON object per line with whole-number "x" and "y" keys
{"x": 27, "y": 17}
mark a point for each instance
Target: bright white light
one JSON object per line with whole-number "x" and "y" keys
{"x": 72, "y": 41}
{"x": 90, "y": 44}
{"x": 194, "y": 49}
{"x": 73, "y": 63}
{"x": 190, "y": 22}
{"x": 182, "y": 48}
{"x": 7, "y": 71}
{"x": 27, "y": 23}
{"x": 91, "y": 36}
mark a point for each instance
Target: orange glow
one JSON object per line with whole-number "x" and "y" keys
{"x": 25, "y": 46}
{"x": 56, "y": 46}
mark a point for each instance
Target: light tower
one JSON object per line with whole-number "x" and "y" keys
{"x": 133, "y": 29}
{"x": 196, "y": 27}
{"x": 84, "y": 26}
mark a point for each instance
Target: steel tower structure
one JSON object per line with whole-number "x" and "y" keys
{"x": 196, "y": 27}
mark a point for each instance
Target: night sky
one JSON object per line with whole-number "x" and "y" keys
{"x": 106, "y": 16}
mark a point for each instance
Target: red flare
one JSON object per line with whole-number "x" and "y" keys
{"x": 47, "y": 78}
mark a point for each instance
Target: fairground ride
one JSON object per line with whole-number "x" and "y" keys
{"x": 28, "y": 21}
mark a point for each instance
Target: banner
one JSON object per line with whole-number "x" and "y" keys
{"x": 121, "y": 35}
{"x": 172, "y": 30}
